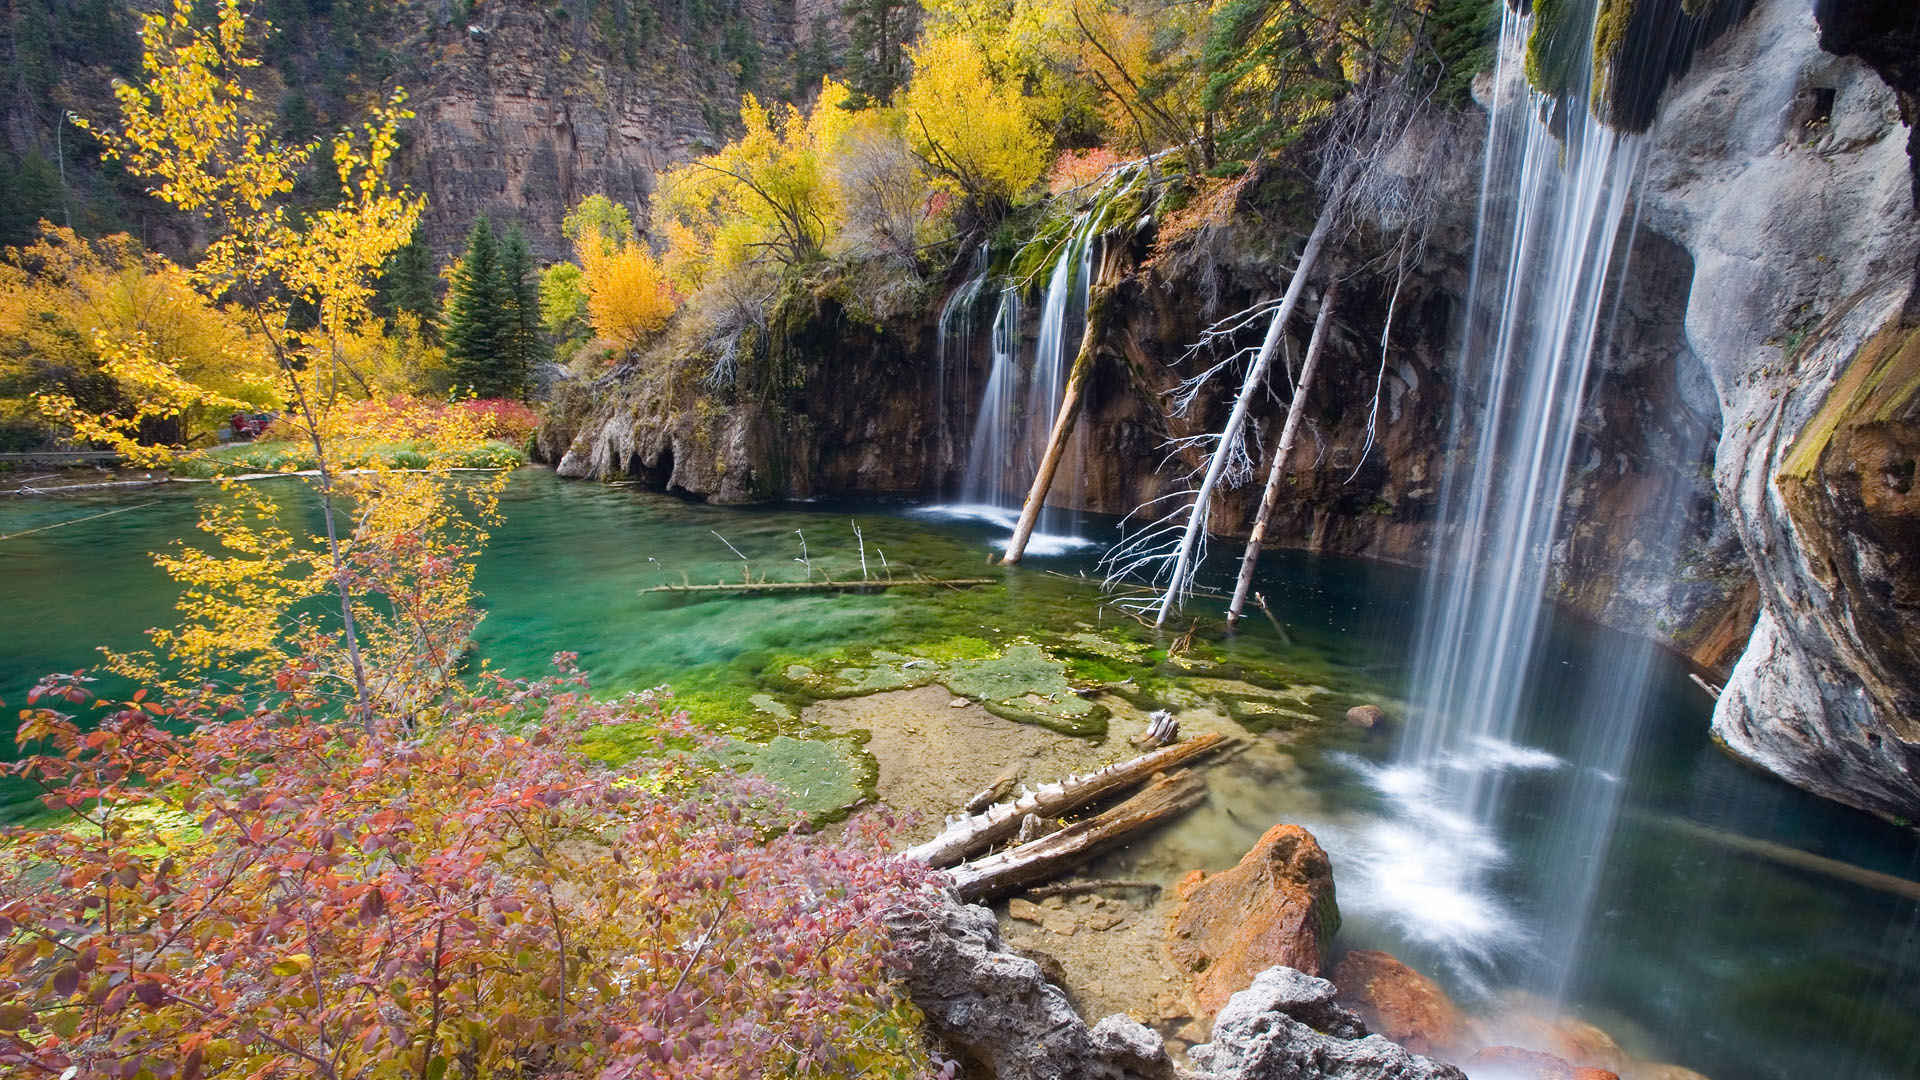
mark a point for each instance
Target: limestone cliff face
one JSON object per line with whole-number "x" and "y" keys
{"x": 1781, "y": 169}
{"x": 523, "y": 111}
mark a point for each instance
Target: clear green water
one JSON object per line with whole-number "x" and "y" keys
{"x": 1732, "y": 964}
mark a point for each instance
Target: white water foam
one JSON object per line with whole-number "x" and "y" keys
{"x": 1039, "y": 545}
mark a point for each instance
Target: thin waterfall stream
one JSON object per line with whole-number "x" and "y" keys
{"x": 1553, "y": 206}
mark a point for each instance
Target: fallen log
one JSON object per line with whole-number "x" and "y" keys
{"x": 965, "y": 837}
{"x": 996, "y": 875}
{"x": 992, "y": 793}
{"x": 1075, "y": 888}
{"x": 822, "y": 586}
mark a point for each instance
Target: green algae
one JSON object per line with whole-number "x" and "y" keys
{"x": 821, "y": 778}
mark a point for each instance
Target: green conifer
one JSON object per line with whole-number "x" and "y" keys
{"x": 525, "y": 346}
{"x": 408, "y": 283}
{"x": 477, "y": 315}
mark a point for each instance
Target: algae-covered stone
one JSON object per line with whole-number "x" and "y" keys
{"x": 816, "y": 776}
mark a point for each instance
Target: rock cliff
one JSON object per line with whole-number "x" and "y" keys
{"x": 1781, "y": 169}
{"x": 527, "y": 108}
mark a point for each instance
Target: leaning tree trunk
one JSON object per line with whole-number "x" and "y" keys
{"x": 1271, "y": 497}
{"x": 1183, "y": 567}
{"x": 1099, "y": 296}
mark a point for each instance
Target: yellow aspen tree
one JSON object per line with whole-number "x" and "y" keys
{"x": 628, "y": 297}
{"x": 393, "y": 551}
{"x": 976, "y": 135}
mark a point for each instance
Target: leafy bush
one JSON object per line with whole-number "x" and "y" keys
{"x": 503, "y": 419}
{"x": 272, "y": 893}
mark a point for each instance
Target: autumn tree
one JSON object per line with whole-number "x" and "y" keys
{"x": 394, "y": 552}
{"x": 765, "y": 197}
{"x": 976, "y": 134}
{"x": 115, "y": 346}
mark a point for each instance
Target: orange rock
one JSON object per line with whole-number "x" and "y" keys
{"x": 1275, "y": 907}
{"x": 1513, "y": 1063}
{"x": 1398, "y": 1002}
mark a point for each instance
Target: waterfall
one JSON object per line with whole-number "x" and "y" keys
{"x": 1017, "y": 408}
{"x": 1553, "y": 206}
{"x": 1062, "y": 317}
{"x": 953, "y": 344}
{"x": 989, "y": 457}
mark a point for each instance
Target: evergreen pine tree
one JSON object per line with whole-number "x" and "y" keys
{"x": 525, "y": 347}
{"x": 877, "y": 35}
{"x": 477, "y": 315}
{"x": 407, "y": 283}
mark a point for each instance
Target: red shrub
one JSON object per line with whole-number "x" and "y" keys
{"x": 1074, "y": 169}
{"x": 503, "y": 418}
{"x": 274, "y": 894}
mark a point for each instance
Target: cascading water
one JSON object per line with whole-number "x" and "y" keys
{"x": 1061, "y": 317}
{"x": 1552, "y": 206}
{"x": 989, "y": 456}
{"x": 953, "y": 343}
{"x": 1017, "y": 408}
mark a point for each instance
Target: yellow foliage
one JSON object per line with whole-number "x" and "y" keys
{"x": 191, "y": 128}
{"x": 395, "y": 561}
{"x": 115, "y": 345}
{"x": 628, "y": 297}
{"x": 767, "y": 195}
{"x": 978, "y": 134}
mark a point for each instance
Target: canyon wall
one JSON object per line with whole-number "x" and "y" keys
{"x": 1782, "y": 169}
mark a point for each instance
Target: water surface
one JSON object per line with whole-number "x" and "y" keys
{"x": 1701, "y": 951}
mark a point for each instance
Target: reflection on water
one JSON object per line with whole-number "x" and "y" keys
{"x": 1700, "y": 951}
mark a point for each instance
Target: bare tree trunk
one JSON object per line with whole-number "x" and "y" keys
{"x": 363, "y": 699}
{"x": 1098, "y": 298}
{"x": 1178, "y": 584}
{"x": 1271, "y": 497}
{"x": 1054, "y": 854}
{"x": 968, "y": 836}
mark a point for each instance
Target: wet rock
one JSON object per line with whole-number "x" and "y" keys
{"x": 1826, "y": 690}
{"x": 1398, "y": 1002}
{"x": 1024, "y": 910}
{"x": 1275, "y": 907}
{"x": 1370, "y": 717}
{"x": 1514, "y": 1063}
{"x": 1287, "y": 1026}
{"x": 999, "y": 1012}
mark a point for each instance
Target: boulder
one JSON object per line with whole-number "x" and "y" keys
{"x": 1370, "y": 717}
{"x": 1000, "y": 1014}
{"x": 1398, "y": 1002}
{"x": 1287, "y": 1026}
{"x": 1275, "y": 908}
{"x": 1514, "y": 1063}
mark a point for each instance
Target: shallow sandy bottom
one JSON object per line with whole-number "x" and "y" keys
{"x": 1107, "y": 947}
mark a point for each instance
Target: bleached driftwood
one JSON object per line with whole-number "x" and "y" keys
{"x": 1053, "y": 854}
{"x": 971, "y": 835}
{"x": 822, "y": 586}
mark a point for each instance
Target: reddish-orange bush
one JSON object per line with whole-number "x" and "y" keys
{"x": 275, "y": 894}
{"x": 503, "y": 418}
{"x": 1077, "y": 168}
